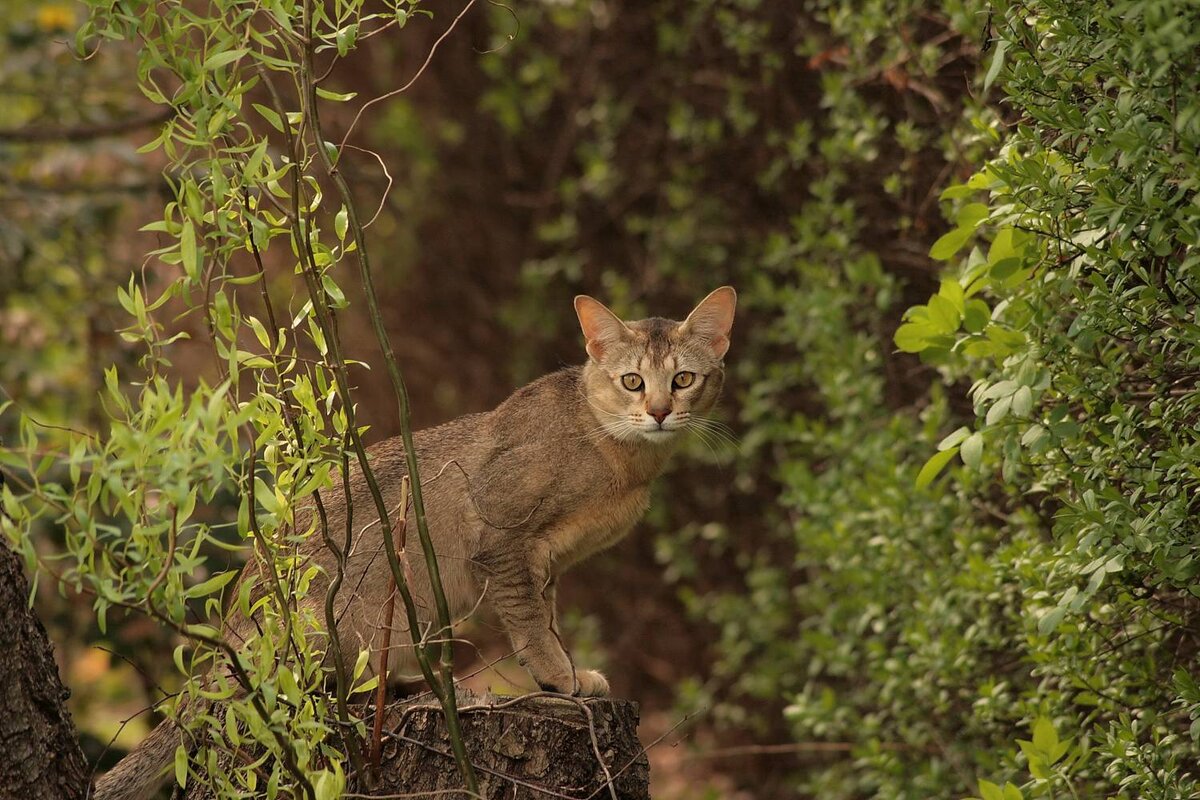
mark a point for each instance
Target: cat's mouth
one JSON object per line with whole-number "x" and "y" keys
{"x": 658, "y": 434}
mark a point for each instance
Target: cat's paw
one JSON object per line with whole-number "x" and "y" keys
{"x": 590, "y": 683}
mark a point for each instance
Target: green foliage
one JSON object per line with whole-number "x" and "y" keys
{"x": 136, "y": 504}
{"x": 919, "y": 610}
{"x": 1084, "y": 371}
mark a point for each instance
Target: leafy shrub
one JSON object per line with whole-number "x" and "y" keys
{"x": 1075, "y": 318}
{"x": 1042, "y": 591}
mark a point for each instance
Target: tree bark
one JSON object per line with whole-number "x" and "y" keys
{"x": 39, "y": 752}
{"x": 522, "y": 748}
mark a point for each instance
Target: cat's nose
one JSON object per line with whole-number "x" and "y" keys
{"x": 659, "y": 414}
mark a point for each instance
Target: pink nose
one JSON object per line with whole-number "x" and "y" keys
{"x": 659, "y": 415}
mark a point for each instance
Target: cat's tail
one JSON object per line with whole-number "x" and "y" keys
{"x": 138, "y": 775}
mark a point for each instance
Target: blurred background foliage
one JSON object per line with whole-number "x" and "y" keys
{"x": 953, "y": 549}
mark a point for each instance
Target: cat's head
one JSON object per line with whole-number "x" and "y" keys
{"x": 649, "y": 379}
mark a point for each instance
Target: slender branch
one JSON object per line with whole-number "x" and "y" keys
{"x": 411, "y": 81}
{"x": 382, "y": 672}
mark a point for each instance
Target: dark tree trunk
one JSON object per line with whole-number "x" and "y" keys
{"x": 39, "y": 753}
{"x": 523, "y": 749}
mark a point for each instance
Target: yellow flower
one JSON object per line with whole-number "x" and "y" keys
{"x": 55, "y": 17}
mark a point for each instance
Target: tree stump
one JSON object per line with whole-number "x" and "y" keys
{"x": 525, "y": 748}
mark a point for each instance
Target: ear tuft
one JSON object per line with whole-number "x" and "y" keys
{"x": 601, "y": 327}
{"x": 712, "y": 319}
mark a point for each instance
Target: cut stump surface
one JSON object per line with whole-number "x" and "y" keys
{"x": 527, "y": 748}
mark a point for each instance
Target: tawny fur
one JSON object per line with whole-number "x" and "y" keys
{"x": 515, "y": 496}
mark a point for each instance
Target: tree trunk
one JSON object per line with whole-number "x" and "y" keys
{"x": 39, "y": 752}
{"x": 523, "y": 749}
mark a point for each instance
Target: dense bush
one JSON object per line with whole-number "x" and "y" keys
{"x": 1080, "y": 333}
{"x": 1030, "y": 618}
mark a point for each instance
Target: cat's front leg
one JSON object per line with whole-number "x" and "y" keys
{"x": 589, "y": 682}
{"x": 522, "y": 592}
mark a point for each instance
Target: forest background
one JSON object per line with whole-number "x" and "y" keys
{"x": 953, "y": 549}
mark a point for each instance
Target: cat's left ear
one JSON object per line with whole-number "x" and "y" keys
{"x": 712, "y": 320}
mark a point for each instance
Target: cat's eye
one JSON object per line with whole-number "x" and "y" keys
{"x": 683, "y": 380}
{"x": 631, "y": 381}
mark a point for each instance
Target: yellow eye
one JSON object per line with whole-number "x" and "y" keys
{"x": 683, "y": 380}
{"x": 631, "y": 381}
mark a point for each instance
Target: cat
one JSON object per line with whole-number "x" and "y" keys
{"x": 513, "y": 497}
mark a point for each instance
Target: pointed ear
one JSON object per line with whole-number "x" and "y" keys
{"x": 712, "y": 320}
{"x": 601, "y": 327}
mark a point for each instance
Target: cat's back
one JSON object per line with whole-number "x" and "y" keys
{"x": 537, "y": 422}
{"x": 541, "y": 410}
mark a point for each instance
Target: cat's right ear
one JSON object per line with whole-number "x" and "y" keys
{"x": 601, "y": 327}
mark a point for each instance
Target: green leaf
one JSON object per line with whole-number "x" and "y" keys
{"x": 265, "y": 496}
{"x": 949, "y": 244}
{"x": 1005, "y": 268}
{"x": 188, "y": 250}
{"x": 1045, "y": 738}
{"x": 221, "y": 59}
{"x": 933, "y": 466}
{"x": 270, "y": 116}
{"x": 1012, "y": 792}
{"x": 1037, "y": 762}
{"x": 254, "y": 163}
{"x": 970, "y": 215}
{"x": 957, "y": 191}
{"x": 954, "y": 438}
{"x": 999, "y": 410}
{"x": 360, "y": 664}
{"x": 335, "y": 96}
{"x": 1022, "y": 401}
{"x": 329, "y": 785}
{"x": 212, "y": 585}
{"x": 341, "y": 223}
{"x": 976, "y": 315}
{"x": 972, "y": 450}
{"x": 334, "y": 291}
{"x": 345, "y": 38}
{"x": 287, "y": 682}
{"x": 952, "y": 291}
{"x": 943, "y": 314}
{"x": 260, "y": 332}
{"x": 913, "y": 337}
{"x": 1003, "y": 246}
{"x": 995, "y": 66}
{"x": 366, "y": 686}
{"x": 990, "y": 791}
{"x": 1050, "y": 620}
{"x": 181, "y": 760}
{"x": 1032, "y": 436}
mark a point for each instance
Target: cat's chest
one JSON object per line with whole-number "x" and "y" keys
{"x": 595, "y": 525}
